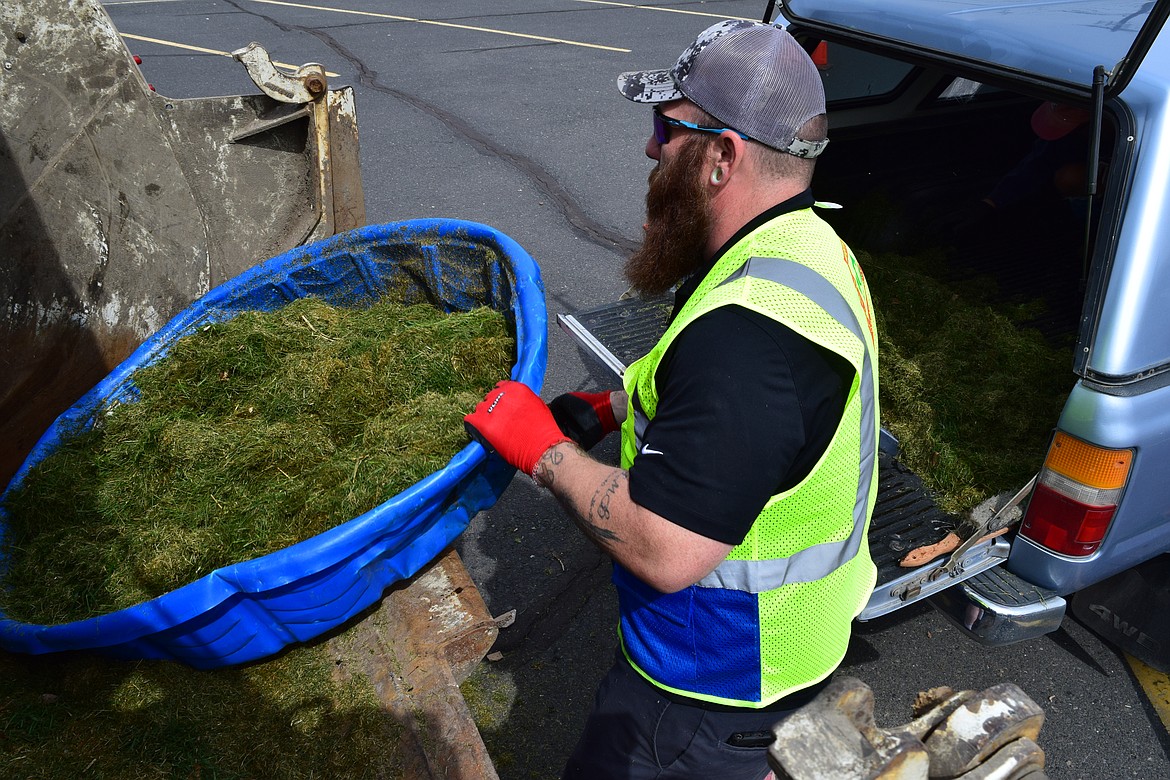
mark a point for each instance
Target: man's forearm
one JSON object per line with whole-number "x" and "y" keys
{"x": 590, "y": 491}
{"x": 660, "y": 553}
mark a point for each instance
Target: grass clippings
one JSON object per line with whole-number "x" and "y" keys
{"x": 249, "y": 436}
{"x": 970, "y": 392}
{"x": 72, "y": 716}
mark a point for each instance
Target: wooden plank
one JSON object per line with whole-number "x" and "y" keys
{"x": 425, "y": 637}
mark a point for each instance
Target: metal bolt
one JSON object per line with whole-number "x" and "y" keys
{"x": 315, "y": 84}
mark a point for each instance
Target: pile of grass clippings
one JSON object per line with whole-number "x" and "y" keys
{"x": 249, "y": 436}
{"x": 72, "y": 716}
{"x": 970, "y": 392}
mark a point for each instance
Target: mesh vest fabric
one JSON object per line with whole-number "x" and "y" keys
{"x": 774, "y": 616}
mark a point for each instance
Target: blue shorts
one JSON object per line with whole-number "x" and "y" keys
{"x": 635, "y": 733}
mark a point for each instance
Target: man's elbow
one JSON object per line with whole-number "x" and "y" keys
{"x": 673, "y": 575}
{"x": 674, "y": 558}
{"x": 664, "y": 582}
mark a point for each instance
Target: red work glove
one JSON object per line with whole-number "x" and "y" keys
{"x": 512, "y": 421}
{"x": 585, "y": 417}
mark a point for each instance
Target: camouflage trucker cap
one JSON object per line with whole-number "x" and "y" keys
{"x": 750, "y": 76}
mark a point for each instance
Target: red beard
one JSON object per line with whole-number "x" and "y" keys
{"x": 678, "y": 216}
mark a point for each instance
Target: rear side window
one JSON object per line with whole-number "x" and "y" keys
{"x": 852, "y": 74}
{"x": 857, "y": 77}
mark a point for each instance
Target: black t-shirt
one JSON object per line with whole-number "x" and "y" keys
{"x": 746, "y": 407}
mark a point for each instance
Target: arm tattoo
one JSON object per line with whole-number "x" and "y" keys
{"x": 544, "y": 473}
{"x": 599, "y": 510}
{"x": 600, "y": 504}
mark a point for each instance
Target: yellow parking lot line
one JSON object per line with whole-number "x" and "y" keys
{"x": 200, "y": 49}
{"x": 665, "y": 9}
{"x": 442, "y": 24}
{"x": 1157, "y": 688}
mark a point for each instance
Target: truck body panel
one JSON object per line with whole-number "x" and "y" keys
{"x": 1131, "y": 338}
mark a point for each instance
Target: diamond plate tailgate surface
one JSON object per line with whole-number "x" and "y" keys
{"x": 618, "y": 333}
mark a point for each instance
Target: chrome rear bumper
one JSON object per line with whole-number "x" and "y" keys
{"x": 995, "y": 607}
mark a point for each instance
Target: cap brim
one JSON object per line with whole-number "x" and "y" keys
{"x": 648, "y": 86}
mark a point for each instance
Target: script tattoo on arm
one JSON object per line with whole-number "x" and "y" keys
{"x": 594, "y": 515}
{"x": 594, "y": 523}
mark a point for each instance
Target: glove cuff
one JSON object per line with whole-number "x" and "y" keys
{"x": 603, "y": 406}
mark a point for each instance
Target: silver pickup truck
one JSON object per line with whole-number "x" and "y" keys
{"x": 1031, "y": 141}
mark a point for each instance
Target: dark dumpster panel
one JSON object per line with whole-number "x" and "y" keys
{"x": 253, "y": 609}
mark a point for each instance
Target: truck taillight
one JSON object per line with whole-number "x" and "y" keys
{"x": 1076, "y": 495}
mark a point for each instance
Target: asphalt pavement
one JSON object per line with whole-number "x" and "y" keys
{"x": 506, "y": 113}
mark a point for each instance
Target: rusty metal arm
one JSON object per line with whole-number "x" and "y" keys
{"x": 305, "y": 93}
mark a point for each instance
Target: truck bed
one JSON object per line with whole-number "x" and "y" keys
{"x": 896, "y": 181}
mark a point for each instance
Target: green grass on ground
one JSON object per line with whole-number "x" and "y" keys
{"x": 73, "y": 716}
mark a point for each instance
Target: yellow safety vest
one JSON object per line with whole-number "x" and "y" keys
{"x": 775, "y": 615}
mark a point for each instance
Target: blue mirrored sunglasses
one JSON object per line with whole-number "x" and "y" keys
{"x": 662, "y": 125}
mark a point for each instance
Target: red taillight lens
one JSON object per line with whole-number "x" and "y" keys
{"x": 1076, "y": 496}
{"x": 1063, "y": 525}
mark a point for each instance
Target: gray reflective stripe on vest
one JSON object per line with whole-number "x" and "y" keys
{"x": 820, "y": 560}
{"x": 641, "y": 421}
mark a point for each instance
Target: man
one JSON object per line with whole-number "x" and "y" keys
{"x": 749, "y": 433}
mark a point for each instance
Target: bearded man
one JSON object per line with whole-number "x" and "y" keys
{"x": 737, "y": 519}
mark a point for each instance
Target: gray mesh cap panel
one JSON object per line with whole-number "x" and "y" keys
{"x": 661, "y": 86}
{"x": 752, "y": 77}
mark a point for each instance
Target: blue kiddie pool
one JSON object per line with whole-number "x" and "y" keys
{"x": 253, "y": 609}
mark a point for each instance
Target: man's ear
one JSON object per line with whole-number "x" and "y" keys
{"x": 727, "y": 154}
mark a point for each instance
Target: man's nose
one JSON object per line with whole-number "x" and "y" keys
{"x": 653, "y": 148}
